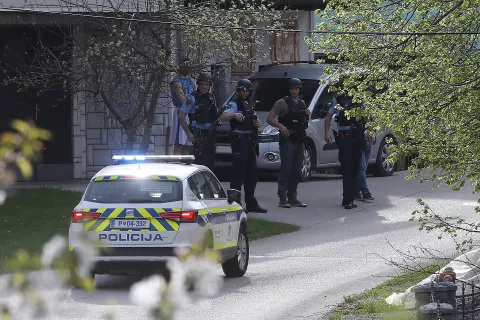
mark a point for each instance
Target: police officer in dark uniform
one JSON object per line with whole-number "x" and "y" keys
{"x": 202, "y": 112}
{"x": 293, "y": 116}
{"x": 350, "y": 139}
{"x": 244, "y": 130}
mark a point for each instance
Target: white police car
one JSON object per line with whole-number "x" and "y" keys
{"x": 144, "y": 207}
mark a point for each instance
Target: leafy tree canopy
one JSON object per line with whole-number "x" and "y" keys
{"x": 415, "y": 64}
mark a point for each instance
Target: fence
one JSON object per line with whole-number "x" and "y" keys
{"x": 442, "y": 300}
{"x": 468, "y": 301}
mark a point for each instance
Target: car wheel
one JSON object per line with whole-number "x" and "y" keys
{"x": 306, "y": 164}
{"x": 383, "y": 167}
{"x": 237, "y": 266}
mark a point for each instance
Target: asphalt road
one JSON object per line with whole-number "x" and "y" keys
{"x": 302, "y": 274}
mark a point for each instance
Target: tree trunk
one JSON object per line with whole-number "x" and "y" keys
{"x": 150, "y": 116}
{"x": 130, "y": 140}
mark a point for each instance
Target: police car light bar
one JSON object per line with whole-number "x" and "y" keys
{"x": 122, "y": 159}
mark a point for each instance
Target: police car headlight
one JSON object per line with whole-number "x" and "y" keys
{"x": 269, "y": 130}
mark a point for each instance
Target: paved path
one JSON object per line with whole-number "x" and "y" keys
{"x": 302, "y": 274}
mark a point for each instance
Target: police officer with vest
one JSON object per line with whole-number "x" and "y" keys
{"x": 202, "y": 113}
{"x": 243, "y": 136}
{"x": 293, "y": 116}
{"x": 350, "y": 139}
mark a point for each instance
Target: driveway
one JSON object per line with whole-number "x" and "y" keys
{"x": 301, "y": 275}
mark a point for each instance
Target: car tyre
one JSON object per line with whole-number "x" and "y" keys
{"x": 382, "y": 167}
{"x": 306, "y": 164}
{"x": 237, "y": 266}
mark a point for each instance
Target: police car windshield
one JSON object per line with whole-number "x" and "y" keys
{"x": 267, "y": 91}
{"x": 134, "y": 191}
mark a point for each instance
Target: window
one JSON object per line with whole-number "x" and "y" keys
{"x": 215, "y": 186}
{"x": 267, "y": 91}
{"x": 324, "y": 103}
{"x": 134, "y": 191}
{"x": 201, "y": 190}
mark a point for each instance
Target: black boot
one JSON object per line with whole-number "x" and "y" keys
{"x": 256, "y": 208}
{"x": 253, "y": 206}
{"x": 283, "y": 202}
{"x": 349, "y": 205}
{"x": 293, "y": 201}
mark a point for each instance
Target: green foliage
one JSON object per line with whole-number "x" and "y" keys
{"x": 425, "y": 88}
{"x": 20, "y": 148}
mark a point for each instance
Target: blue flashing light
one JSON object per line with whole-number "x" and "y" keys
{"x": 152, "y": 158}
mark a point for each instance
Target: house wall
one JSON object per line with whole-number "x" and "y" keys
{"x": 289, "y": 46}
{"x": 276, "y": 48}
{"x": 97, "y": 135}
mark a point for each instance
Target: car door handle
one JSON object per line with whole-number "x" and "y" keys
{"x": 210, "y": 211}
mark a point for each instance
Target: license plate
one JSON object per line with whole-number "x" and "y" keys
{"x": 129, "y": 223}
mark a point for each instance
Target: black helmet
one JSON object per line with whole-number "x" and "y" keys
{"x": 295, "y": 83}
{"x": 244, "y": 84}
{"x": 202, "y": 77}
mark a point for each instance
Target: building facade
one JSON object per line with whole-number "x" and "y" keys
{"x": 86, "y": 135}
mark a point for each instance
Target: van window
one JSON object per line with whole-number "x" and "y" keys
{"x": 323, "y": 103}
{"x": 267, "y": 91}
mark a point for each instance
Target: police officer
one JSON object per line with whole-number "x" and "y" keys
{"x": 181, "y": 89}
{"x": 293, "y": 116}
{"x": 244, "y": 128}
{"x": 202, "y": 113}
{"x": 350, "y": 140}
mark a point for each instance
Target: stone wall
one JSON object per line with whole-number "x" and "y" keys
{"x": 98, "y": 135}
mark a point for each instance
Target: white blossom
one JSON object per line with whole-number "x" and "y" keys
{"x": 202, "y": 272}
{"x": 53, "y": 249}
{"x": 86, "y": 252}
{"x": 3, "y": 197}
{"x": 177, "y": 293}
{"x": 147, "y": 293}
{"x": 49, "y": 289}
{"x": 5, "y": 282}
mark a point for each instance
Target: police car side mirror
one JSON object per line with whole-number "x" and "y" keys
{"x": 234, "y": 195}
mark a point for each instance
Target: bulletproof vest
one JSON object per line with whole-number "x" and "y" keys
{"x": 354, "y": 123}
{"x": 295, "y": 119}
{"x": 248, "y": 113}
{"x": 207, "y": 110}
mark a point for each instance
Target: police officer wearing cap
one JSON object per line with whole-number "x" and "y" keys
{"x": 350, "y": 139}
{"x": 244, "y": 127}
{"x": 202, "y": 111}
{"x": 293, "y": 116}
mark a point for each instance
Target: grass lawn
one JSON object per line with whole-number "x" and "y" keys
{"x": 371, "y": 303}
{"x": 31, "y": 218}
{"x": 258, "y": 229}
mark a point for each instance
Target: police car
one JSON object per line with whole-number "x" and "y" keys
{"x": 142, "y": 208}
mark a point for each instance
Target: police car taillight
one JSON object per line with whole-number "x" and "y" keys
{"x": 182, "y": 216}
{"x": 79, "y": 216}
